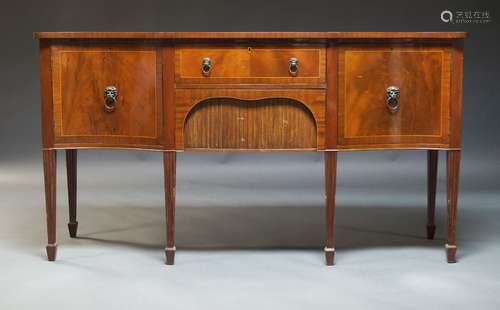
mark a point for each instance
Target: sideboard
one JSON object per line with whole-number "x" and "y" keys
{"x": 325, "y": 92}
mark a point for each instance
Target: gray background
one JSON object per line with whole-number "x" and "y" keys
{"x": 266, "y": 202}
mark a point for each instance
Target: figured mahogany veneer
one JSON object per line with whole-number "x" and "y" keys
{"x": 256, "y": 65}
{"x": 256, "y": 91}
{"x": 80, "y": 75}
{"x": 423, "y": 77}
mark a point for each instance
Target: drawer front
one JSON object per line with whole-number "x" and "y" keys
{"x": 129, "y": 113}
{"x": 259, "y": 65}
{"x": 393, "y": 96}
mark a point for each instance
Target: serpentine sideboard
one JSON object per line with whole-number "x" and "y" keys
{"x": 251, "y": 91}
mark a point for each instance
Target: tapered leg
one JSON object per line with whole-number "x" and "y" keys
{"x": 330, "y": 180}
{"x": 453, "y": 169}
{"x": 49, "y": 171}
{"x": 432, "y": 165}
{"x": 169, "y": 170}
{"x": 71, "y": 175}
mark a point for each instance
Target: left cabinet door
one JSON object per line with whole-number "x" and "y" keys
{"x": 107, "y": 96}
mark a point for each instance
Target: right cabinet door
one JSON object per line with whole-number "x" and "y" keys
{"x": 393, "y": 96}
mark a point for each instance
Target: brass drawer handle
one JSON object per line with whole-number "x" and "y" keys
{"x": 392, "y": 101}
{"x": 293, "y": 66}
{"x": 206, "y": 66}
{"x": 110, "y": 96}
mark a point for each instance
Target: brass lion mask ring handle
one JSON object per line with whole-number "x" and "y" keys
{"x": 392, "y": 101}
{"x": 110, "y": 97}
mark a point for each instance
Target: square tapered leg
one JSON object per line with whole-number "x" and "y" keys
{"x": 169, "y": 159}
{"x": 330, "y": 187}
{"x": 432, "y": 165}
{"x": 71, "y": 156}
{"x": 49, "y": 172}
{"x": 453, "y": 169}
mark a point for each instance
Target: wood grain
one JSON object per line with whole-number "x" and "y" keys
{"x": 330, "y": 190}
{"x": 251, "y": 35}
{"x": 227, "y": 123}
{"x": 80, "y": 76}
{"x": 46, "y": 95}
{"x": 331, "y": 97}
{"x": 50, "y": 175}
{"x": 169, "y": 165}
{"x": 264, "y": 122}
{"x": 456, "y": 95}
{"x": 453, "y": 172}
{"x": 250, "y": 64}
{"x": 168, "y": 74}
{"x": 423, "y": 76}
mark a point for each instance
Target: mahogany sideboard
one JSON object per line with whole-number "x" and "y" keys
{"x": 251, "y": 91}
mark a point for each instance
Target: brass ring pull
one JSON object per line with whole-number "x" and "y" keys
{"x": 392, "y": 101}
{"x": 293, "y": 66}
{"x": 206, "y": 66}
{"x": 110, "y": 97}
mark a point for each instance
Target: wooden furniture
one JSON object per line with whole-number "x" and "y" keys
{"x": 313, "y": 91}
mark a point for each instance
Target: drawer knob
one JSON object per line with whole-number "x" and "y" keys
{"x": 110, "y": 96}
{"x": 206, "y": 66}
{"x": 392, "y": 99}
{"x": 293, "y": 66}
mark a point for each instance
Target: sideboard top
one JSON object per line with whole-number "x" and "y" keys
{"x": 251, "y": 35}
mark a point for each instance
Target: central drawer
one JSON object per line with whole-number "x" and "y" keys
{"x": 253, "y": 65}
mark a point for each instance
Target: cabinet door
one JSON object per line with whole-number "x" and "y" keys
{"x": 109, "y": 96}
{"x": 393, "y": 96}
